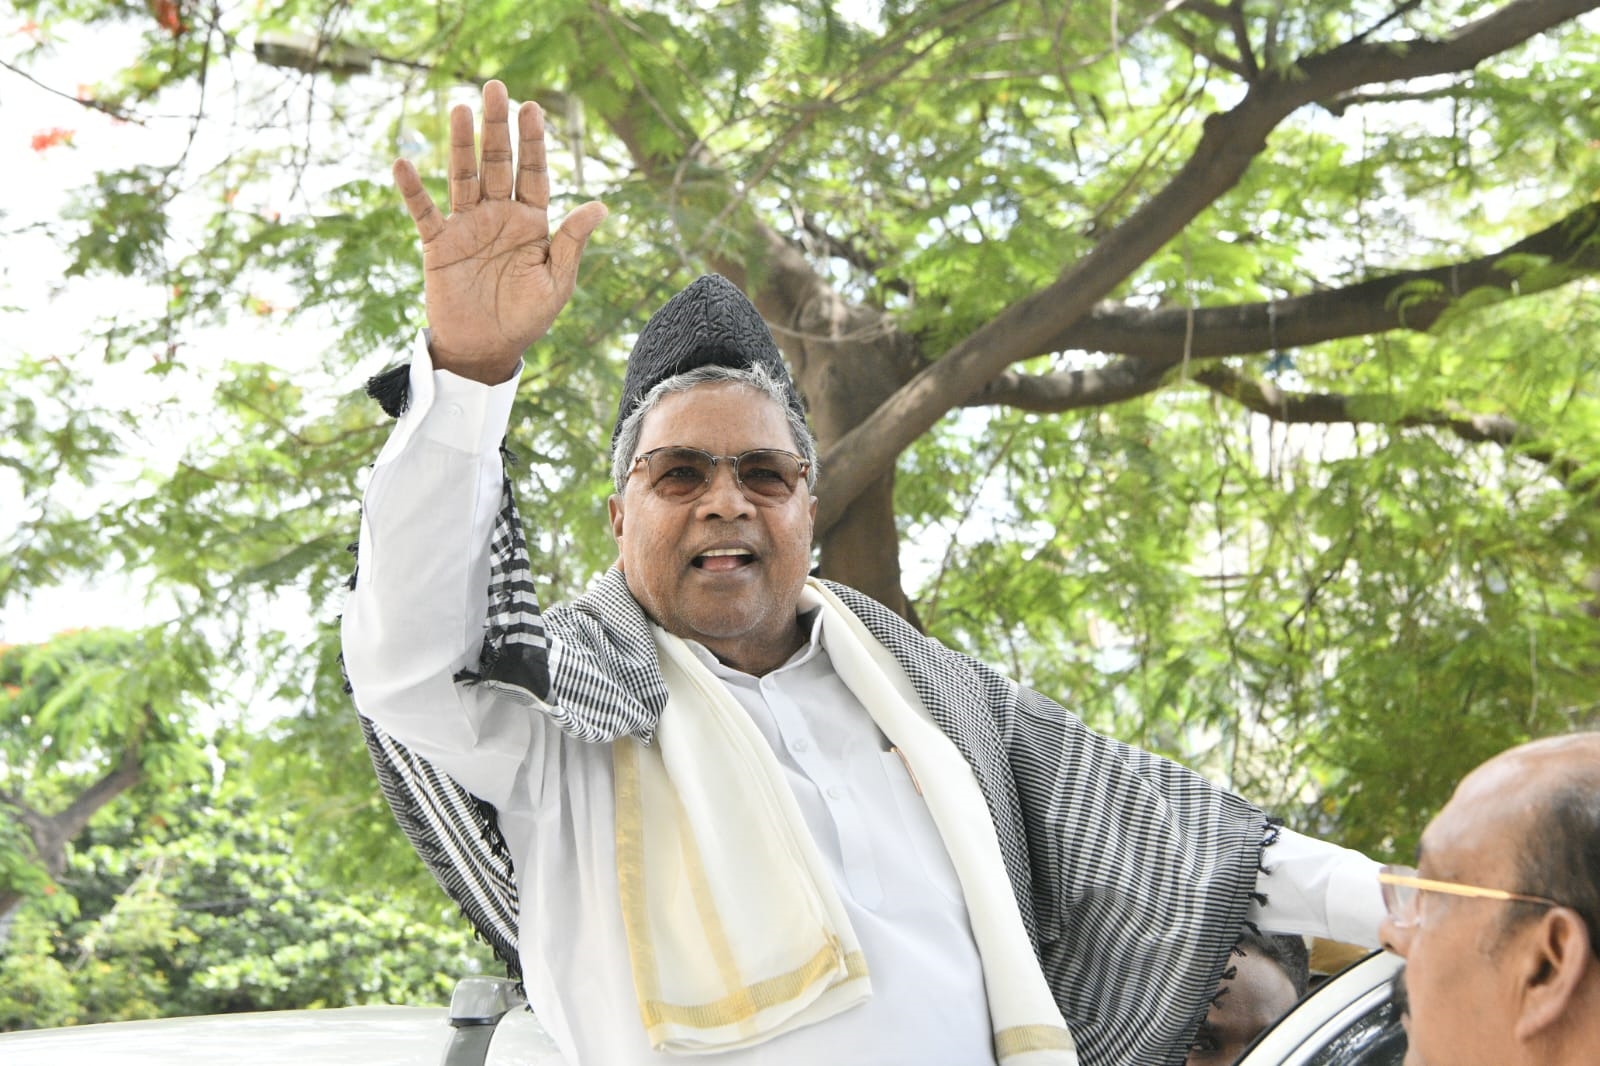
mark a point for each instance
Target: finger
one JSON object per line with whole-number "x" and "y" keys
{"x": 533, "y": 174}
{"x": 464, "y": 191}
{"x": 418, "y": 202}
{"x": 495, "y": 174}
{"x": 566, "y": 247}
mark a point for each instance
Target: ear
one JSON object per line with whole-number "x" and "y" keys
{"x": 1552, "y": 970}
{"x": 614, "y": 509}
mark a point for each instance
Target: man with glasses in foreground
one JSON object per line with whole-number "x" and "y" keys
{"x": 1500, "y": 922}
{"x": 736, "y": 810}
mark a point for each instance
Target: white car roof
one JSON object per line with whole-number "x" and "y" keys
{"x": 419, "y": 1036}
{"x": 343, "y": 1036}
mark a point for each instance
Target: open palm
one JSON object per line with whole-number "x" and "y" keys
{"x": 494, "y": 276}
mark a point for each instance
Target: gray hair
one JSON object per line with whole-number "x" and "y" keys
{"x": 1561, "y": 859}
{"x": 755, "y": 377}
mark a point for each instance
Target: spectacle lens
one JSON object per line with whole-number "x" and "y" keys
{"x": 1400, "y": 900}
{"x": 766, "y": 475}
{"x": 1402, "y": 888}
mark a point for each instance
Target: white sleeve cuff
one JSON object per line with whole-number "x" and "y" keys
{"x": 1318, "y": 889}
{"x": 457, "y": 412}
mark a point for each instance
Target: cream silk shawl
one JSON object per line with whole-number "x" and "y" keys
{"x": 735, "y": 931}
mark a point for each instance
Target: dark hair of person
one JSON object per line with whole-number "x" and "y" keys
{"x": 1288, "y": 952}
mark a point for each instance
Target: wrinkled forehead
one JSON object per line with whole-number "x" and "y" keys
{"x": 722, "y": 417}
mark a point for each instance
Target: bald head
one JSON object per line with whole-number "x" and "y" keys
{"x": 1497, "y": 982}
{"x": 1574, "y": 753}
{"x": 1516, "y": 789}
{"x": 1553, "y": 787}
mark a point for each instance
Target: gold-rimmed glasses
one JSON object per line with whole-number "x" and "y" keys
{"x": 1402, "y": 889}
{"x": 766, "y": 476}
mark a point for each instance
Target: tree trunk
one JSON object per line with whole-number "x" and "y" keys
{"x": 846, "y": 359}
{"x": 51, "y": 833}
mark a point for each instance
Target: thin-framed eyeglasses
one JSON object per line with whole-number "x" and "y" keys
{"x": 766, "y": 476}
{"x": 1402, "y": 889}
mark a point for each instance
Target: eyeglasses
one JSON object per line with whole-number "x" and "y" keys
{"x": 766, "y": 476}
{"x": 1402, "y": 889}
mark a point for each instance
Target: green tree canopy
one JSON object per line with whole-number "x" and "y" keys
{"x": 1226, "y": 370}
{"x": 88, "y": 718}
{"x": 204, "y": 907}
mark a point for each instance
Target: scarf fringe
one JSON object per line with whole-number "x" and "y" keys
{"x": 392, "y": 389}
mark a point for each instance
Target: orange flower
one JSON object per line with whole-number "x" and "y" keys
{"x": 51, "y": 137}
{"x": 168, "y": 16}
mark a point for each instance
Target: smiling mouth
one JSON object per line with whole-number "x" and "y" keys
{"x": 723, "y": 560}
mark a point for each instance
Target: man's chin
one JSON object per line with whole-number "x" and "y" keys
{"x": 717, "y": 628}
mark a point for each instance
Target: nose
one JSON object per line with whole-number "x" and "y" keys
{"x": 723, "y": 497}
{"x": 1395, "y": 939}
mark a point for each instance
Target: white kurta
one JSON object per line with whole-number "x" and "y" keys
{"x": 416, "y": 618}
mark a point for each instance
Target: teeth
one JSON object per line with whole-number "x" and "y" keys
{"x": 724, "y": 551}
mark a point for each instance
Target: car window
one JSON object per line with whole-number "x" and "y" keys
{"x": 1375, "y": 1039}
{"x": 1348, "y": 1021}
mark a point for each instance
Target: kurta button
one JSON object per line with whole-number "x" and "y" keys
{"x": 836, "y": 792}
{"x": 455, "y": 410}
{"x": 801, "y": 744}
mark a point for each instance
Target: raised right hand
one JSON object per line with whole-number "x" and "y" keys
{"x": 494, "y": 276}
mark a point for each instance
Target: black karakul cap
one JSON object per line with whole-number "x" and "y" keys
{"x": 710, "y": 323}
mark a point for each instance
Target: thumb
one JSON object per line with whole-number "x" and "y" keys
{"x": 566, "y": 247}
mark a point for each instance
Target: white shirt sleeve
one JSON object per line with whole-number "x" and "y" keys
{"x": 1318, "y": 889}
{"x": 416, "y": 615}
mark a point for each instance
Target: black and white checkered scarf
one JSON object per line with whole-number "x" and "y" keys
{"x": 1132, "y": 873}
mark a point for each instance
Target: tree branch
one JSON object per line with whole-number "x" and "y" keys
{"x": 1396, "y": 15}
{"x": 1330, "y": 408}
{"x": 50, "y": 833}
{"x": 1162, "y": 337}
{"x": 847, "y": 249}
{"x": 1572, "y": 245}
{"x": 93, "y": 105}
{"x": 1208, "y": 49}
{"x": 26, "y": 813}
{"x": 1228, "y": 144}
{"x": 1073, "y": 390}
{"x": 69, "y": 822}
{"x": 1241, "y": 39}
{"x": 1340, "y": 104}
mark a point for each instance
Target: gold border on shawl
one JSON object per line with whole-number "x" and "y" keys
{"x": 741, "y": 1004}
{"x": 705, "y": 904}
{"x": 1020, "y": 1039}
{"x": 630, "y": 870}
{"x": 745, "y": 1003}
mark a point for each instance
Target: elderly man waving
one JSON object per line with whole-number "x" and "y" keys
{"x": 733, "y": 809}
